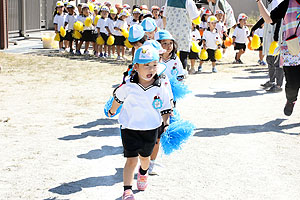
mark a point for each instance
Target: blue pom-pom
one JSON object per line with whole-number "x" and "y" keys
{"x": 179, "y": 90}
{"x": 108, "y": 106}
{"x": 176, "y": 134}
{"x": 175, "y": 117}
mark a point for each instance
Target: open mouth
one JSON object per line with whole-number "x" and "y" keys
{"x": 149, "y": 75}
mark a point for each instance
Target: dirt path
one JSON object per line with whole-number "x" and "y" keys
{"x": 55, "y": 142}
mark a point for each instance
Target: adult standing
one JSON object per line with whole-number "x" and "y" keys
{"x": 289, "y": 12}
{"x": 178, "y": 15}
{"x": 271, "y": 33}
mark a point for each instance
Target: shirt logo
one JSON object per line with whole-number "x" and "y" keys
{"x": 174, "y": 71}
{"x": 157, "y": 103}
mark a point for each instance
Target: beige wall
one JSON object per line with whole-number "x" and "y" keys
{"x": 246, "y": 6}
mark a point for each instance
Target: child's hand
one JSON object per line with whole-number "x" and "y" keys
{"x": 166, "y": 127}
{"x": 110, "y": 113}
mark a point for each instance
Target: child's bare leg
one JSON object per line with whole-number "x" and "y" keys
{"x": 109, "y": 50}
{"x": 79, "y": 45}
{"x": 261, "y": 56}
{"x": 101, "y": 48}
{"x": 105, "y": 48}
{"x": 114, "y": 49}
{"x": 66, "y": 43}
{"x": 128, "y": 172}
{"x": 123, "y": 51}
{"x": 193, "y": 64}
{"x": 145, "y": 161}
{"x": 87, "y": 44}
{"x": 213, "y": 64}
{"x": 61, "y": 45}
{"x": 118, "y": 50}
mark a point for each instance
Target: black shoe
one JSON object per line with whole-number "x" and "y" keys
{"x": 288, "y": 109}
{"x": 267, "y": 84}
{"x": 240, "y": 62}
{"x": 275, "y": 88}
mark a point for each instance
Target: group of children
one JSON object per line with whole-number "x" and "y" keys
{"x": 105, "y": 21}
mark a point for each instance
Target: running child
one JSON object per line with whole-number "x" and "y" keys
{"x": 193, "y": 56}
{"x": 169, "y": 58}
{"x": 211, "y": 42}
{"x": 240, "y": 35}
{"x": 143, "y": 91}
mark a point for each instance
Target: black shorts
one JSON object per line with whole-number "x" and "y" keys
{"x": 239, "y": 46}
{"x": 138, "y": 142}
{"x": 88, "y": 36}
{"x": 119, "y": 40}
{"x": 95, "y": 36}
{"x": 61, "y": 37}
{"x": 105, "y": 37}
{"x": 160, "y": 131}
{"x": 193, "y": 55}
{"x": 211, "y": 55}
{"x": 69, "y": 36}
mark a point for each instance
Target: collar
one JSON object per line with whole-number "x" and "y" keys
{"x": 135, "y": 79}
{"x": 239, "y": 26}
{"x": 134, "y": 20}
{"x": 102, "y": 18}
{"x": 208, "y": 29}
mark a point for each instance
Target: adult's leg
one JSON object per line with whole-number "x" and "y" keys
{"x": 278, "y": 72}
{"x": 271, "y": 66}
{"x": 183, "y": 58}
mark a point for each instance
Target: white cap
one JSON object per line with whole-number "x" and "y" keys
{"x": 242, "y": 16}
{"x": 59, "y": 4}
{"x": 219, "y": 12}
{"x": 212, "y": 19}
{"x": 136, "y": 10}
{"x": 105, "y": 8}
{"x": 124, "y": 13}
{"x": 84, "y": 5}
{"x": 71, "y": 4}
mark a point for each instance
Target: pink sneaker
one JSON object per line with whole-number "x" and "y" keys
{"x": 142, "y": 181}
{"x": 128, "y": 195}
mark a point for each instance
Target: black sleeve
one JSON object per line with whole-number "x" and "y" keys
{"x": 279, "y": 12}
{"x": 257, "y": 25}
{"x": 277, "y": 29}
{"x": 221, "y": 6}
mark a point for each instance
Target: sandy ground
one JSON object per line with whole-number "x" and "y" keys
{"x": 55, "y": 142}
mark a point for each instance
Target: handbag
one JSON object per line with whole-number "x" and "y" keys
{"x": 293, "y": 43}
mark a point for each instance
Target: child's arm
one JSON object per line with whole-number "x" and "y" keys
{"x": 165, "y": 118}
{"x": 55, "y": 28}
{"x": 204, "y": 44}
{"x": 114, "y": 108}
{"x": 109, "y": 33}
{"x": 98, "y": 30}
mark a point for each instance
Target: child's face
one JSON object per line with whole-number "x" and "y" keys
{"x": 243, "y": 22}
{"x": 59, "y": 10}
{"x": 104, "y": 14}
{"x": 113, "y": 15}
{"x": 79, "y": 9}
{"x": 137, "y": 45}
{"x": 136, "y": 16}
{"x": 219, "y": 17}
{"x": 155, "y": 13}
{"x": 71, "y": 11}
{"x": 151, "y": 34}
{"x": 206, "y": 17}
{"x": 95, "y": 12}
{"x": 85, "y": 11}
{"x": 123, "y": 17}
{"x": 212, "y": 25}
{"x": 167, "y": 45}
{"x": 147, "y": 71}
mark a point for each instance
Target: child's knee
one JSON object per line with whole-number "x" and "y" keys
{"x": 132, "y": 161}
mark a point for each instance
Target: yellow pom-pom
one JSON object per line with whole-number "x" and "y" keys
{"x": 57, "y": 37}
{"x": 77, "y": 35}
{"x": 255, "y": 43}
{"x": 125, "y": 33}
{"x": 91, "y": 7}
{"x": 203, "y": 54}
{"x": 273, "y": 46}
{"x": 127, "y": 44}
{"x": 218, "y": 54}
{"x": 62, "y": 31}
{"x": 88, "y": 22}
{"x": 178, "y": 54}
{"x": 78, "y": 26}
{"x": 100, "y": 40}
{"x": 110, "y": 40}
{"x": 197, "y": 21}
{"x": 195, "y": 47}
{"x": 96, "y": 20}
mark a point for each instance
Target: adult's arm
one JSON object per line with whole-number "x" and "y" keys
{"x": 277, "y": 29}
{"x": 276, "y": 14}
{"x": 257, "y": 26}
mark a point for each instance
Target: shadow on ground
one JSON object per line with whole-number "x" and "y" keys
{"x": 228, "y": 94}
{"x": 100, "y": 153}
{"x": 77, "y": 186}
{"x": 102, "y": 132}
{"x": 271, "y": 126}
{"x": 97, "y": 123}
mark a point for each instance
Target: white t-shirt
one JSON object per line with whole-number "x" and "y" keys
{"x": 71, "y": 19}
{"x": 212, "y": 39}
{"x": 101, "y": 24}
{"x": 133, "y": 21}
{"x": 111, "y": 25}
{"x": 129, "y": 19}
{"x": 241, "y": 34}
{"x": 221, "y": 28}
{"x": 142, "y": 107}
{"x": 174, "y": 67}
{"x": 82, "y": 18}
{"x": 196, "y": 35}
{"x": 159, "y": 23}
{"x": 59, "y": 20}
{"x": 259, "y": 32}
{"x": 122, "y": 25}
{"x": 166, "y": 82}
{"x": 203, "y": 25}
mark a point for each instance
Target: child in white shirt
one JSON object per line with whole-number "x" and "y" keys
{"x": 211, "y": 42}
{"x": 110, "y": 28}
{"x": 240, "y": 35}
{"x": 59, "y": 21}
{"x": 121, "y": 24}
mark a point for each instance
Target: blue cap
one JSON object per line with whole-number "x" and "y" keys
{"x": 163, "y": 35}
{"x": 136, "y": 33}
{"x": 145, "y": 54}
{"x": 156, "y": 45}
{"x": 149, "y": 24}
